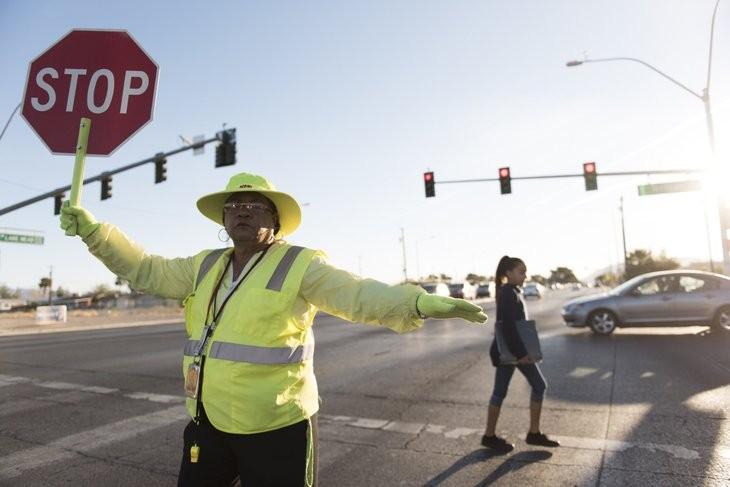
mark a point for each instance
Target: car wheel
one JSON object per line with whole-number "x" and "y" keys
{"x": 722, "y": 320}
{"x": 602, "y": 322}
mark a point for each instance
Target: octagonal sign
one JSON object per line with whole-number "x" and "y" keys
{"x": 103, "y": 75}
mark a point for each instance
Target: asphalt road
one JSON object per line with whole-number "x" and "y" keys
{"x": 640, "y": 407}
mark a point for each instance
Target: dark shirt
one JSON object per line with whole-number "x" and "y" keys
{"x": 510, "y": 310}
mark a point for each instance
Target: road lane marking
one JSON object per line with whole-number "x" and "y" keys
{"x": 160, "y": 398}
{"x": 460, "y": 432}
{"x": 16, "y": 464}
{"x": 619, "y": 446}
{"x": 401, "y": 427}
{"x": 366, "y": 423}
{"x": 67, "y": 386}
{"x": 8, "y": 380}
{"x": 600, "y": 444}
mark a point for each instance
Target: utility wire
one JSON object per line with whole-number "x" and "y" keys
{"x": 8, "y": 122}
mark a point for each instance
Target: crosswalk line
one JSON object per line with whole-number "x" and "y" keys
{"x": 601, "y": 444}
{"x": 9, "y": 380}
{"x": 14, "y": 465}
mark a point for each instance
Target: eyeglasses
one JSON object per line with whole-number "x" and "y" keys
{"x": 248, "y": 206}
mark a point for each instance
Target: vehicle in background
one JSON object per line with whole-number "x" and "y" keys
{"x": 438, "y": 288}
{"x": 483, "y": 290}
{"x": 667, "y": 298}
{"x": 456, "y": 290}
{"x": 532, "y": 290}
{"x": 469, "y": 290}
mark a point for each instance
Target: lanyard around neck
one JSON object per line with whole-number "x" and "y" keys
{"x": 209, "y": 328}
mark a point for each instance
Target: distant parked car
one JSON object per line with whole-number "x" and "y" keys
{"x": 483, "y": 291}
{"x": 668, "y": 298}
{"x": 438, "y": 288}
{"x": 456, "y": 290}
{"x": 532, "y": 290}
{"x": 469, "y": 290}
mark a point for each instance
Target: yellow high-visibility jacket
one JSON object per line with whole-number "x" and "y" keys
{"x": 258, "y": 373}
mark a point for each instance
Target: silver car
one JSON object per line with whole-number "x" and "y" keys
{"x": 669, "y": 298}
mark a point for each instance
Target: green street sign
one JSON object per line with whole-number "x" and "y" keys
{"x": 673, "y": 187}
{"x": 18, "y": 238}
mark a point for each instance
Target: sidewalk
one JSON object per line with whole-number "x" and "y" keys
{"x": 23, "y": 323}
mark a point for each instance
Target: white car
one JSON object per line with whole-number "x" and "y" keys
{"x": 470, "y": 291}
{"x": 437, "y": 288}
{"x": 532, "y": 290}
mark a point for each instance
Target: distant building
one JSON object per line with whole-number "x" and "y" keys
{"x": 10, "y": 303}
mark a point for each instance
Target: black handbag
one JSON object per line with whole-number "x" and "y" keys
{"x": 527, "y": 331}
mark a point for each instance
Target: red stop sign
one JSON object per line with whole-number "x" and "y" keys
{"x": 103, "y": 75}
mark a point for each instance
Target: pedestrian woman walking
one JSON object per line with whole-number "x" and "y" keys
{"x": 509, "y": 277}
{"x": 248, "y": 359}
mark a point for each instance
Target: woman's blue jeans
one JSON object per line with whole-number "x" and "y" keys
{"x": 504, "y": 375}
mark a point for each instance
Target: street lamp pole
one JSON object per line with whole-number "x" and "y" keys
{"x": 623, "y": 235}
{"x": 704, "y": 96}
{"x": 723, "y": 208}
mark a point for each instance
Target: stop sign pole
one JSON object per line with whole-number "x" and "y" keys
{"x": 99, "y": 75}
{"x": 80, "y": 163}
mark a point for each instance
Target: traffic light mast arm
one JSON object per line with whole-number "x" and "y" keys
{"x": 99, "y": 177}
{"x": 577, "y": 175}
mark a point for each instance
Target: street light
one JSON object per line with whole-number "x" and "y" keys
{"x": 705, "y": 98}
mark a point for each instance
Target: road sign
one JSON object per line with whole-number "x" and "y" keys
{"x": 102, "y": 75}
{"x": 18, "y": 238}
{"x": 673, "y": 187}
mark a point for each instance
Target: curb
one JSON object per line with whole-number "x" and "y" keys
{"x": 36, "y": 329}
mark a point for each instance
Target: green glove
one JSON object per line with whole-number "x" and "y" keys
{"x": 435, "y": 306}
{"x": 76, "y": 220}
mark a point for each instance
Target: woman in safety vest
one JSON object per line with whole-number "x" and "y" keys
{"x": 249, "y": 378}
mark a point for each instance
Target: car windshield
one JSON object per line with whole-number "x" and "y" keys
{"x": 627, "y": 285}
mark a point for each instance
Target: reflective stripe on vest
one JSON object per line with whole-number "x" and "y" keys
{"x": 207, "y": 263}
{"x": 277, "y": 278}
{"x": 249, "y": 353}
{"x": 255, "y": 355}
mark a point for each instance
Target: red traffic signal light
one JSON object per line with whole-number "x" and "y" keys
{"x": 505, "y": 180}
{"x": 430, "y": 184}
{"x": 590, "y": 176}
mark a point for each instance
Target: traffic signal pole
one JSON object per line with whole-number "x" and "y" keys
{"x": 577, "y": 175}
{"x": 107, "y": 174}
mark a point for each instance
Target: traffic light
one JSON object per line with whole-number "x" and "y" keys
{"x": 505, "y": 180}
{"x": 106, "y": 187}
{"x": 430, "y": 184}
{"x": 589, "y": 174}
{"x": 160, "y": 169}
{"x": 57, "y": 202}
{"x": 225, "y": 152}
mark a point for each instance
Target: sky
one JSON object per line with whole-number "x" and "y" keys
{"x": 344, "y": 105}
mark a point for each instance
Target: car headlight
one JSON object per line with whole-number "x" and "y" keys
{"x": 572, "y": 307}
